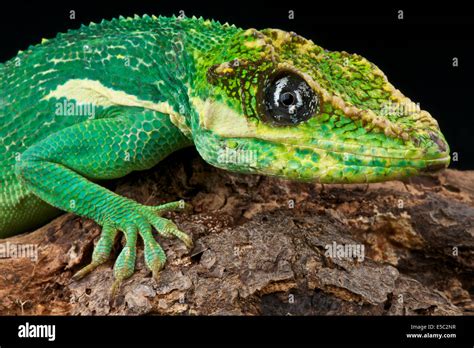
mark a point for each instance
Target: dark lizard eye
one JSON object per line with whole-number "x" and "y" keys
{"x": 289, "y": 100}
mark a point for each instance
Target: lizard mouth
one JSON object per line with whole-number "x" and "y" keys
{"x": 330, "y": 162}
{"x": 428, "y": 159}
{"x": 374, "y": 152}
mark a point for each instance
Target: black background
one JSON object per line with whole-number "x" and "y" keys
{"x": 416, "y": 53}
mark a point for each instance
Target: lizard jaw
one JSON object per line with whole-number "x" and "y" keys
{"x": 325, "y": 166}
{"x": 331, "y": 164}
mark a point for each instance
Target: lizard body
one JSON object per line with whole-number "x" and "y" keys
{"x": 99, "y": 102}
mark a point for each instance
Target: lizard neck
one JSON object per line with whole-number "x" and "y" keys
{"x": 179, "y": 49}
{"x": 198, "y": 42}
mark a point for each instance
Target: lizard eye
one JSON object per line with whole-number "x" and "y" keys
{"x": 289, "y": 100}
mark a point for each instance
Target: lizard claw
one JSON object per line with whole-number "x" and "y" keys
{"x": 84, "y": 271}
{"x": 141, "y": 222}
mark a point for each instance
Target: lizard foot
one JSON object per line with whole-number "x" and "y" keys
{"x": 133, "y": 220}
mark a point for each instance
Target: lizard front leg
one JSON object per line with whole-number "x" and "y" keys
{"x": 58, "y": 170}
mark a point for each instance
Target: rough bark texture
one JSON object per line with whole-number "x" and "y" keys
{"x": 261, "y": 248}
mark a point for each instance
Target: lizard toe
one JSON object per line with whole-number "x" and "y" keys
{"x": 168, "y": 229}
{"x": 101, "y": 251}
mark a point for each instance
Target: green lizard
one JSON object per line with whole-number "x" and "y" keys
{"x": 111, "y": 98}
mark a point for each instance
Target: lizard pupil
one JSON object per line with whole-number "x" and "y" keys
{"x": 288, "y": 100}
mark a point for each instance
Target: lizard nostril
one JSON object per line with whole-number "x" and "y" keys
{"x": 438, "y": 141}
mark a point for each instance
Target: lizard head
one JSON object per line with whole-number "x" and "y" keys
{"x": 274, "y": 103}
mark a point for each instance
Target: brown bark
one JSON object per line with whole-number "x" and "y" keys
{"x": 256, "y": 253}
